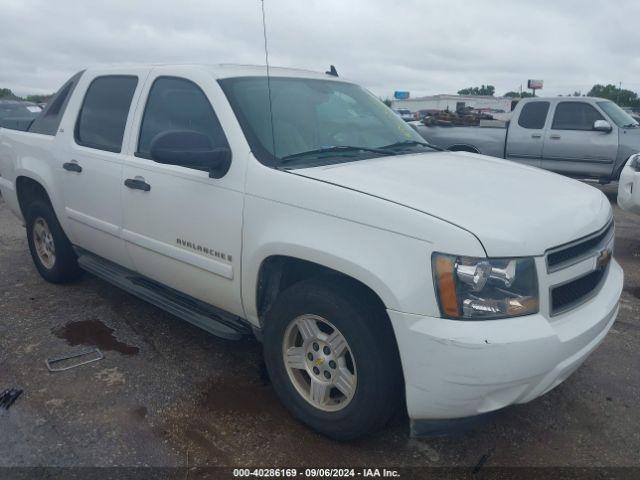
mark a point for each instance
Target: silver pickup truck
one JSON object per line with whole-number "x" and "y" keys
{"x": 583, "y": 137}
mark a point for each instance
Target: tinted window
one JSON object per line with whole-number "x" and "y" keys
{"x": 533, "y": 115}
{"x": 104, "y": 112}
{"x": 49, "y": 121}
{"x": 575, "y": 116}
{"x": 178, "y": 104}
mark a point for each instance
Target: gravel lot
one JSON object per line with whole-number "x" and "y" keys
{"x": 168, "y": 394}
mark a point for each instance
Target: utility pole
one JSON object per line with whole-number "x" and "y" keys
{"x": 618, "y": 96}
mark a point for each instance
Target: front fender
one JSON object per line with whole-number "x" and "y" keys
{"x": 383, "y": 245}
{"x": 394, "y": 266}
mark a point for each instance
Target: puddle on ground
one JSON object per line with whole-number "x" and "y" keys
{"x": 94, "y": 333}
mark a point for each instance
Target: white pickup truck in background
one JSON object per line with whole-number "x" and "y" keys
{"x": 301, "y": 209}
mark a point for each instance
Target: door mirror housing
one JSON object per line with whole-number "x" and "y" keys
{"x": 191, "y": 149}
{"x": 602, "y": 126}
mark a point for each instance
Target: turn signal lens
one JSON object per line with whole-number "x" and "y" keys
{"x": 446, "y": 286}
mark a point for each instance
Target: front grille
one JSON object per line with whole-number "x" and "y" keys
{"x": 563, "y": 256}
{"x": 566, "y": 296}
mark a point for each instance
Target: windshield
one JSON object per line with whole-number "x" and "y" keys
{"x": 316, "y": 122}
{"x": 617, "y": 115}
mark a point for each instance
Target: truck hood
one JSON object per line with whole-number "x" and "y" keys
{"x": 514, "y": 210}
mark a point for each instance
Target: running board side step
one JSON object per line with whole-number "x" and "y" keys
{"x": 200, "y": 314}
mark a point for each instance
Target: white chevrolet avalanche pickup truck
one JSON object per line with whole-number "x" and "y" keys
{"x": 297, "y": 207}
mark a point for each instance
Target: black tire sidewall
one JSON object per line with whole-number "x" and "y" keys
{"x": 379, "y": 379}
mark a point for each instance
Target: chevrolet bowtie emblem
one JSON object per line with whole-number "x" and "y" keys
{"x": 603, "y": 259}
{"x": 319, "y": 361}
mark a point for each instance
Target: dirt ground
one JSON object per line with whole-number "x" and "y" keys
{"x": 168, "y": 394}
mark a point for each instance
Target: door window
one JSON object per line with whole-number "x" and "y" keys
{"x": 534, "y": 115}
{"x": 178, "y": 104}
{"x": 575, "y": 116}
{"x": 103, "y": 116}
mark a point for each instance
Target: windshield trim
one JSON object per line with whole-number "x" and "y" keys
{"x": 341, "y": 158}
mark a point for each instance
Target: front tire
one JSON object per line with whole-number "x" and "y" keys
{"x": 332, "y": 357}
{"x": 50, "y": 248}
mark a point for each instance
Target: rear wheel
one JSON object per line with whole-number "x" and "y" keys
{"x": 50, "y": 248}
{"x": 332, "y": 358}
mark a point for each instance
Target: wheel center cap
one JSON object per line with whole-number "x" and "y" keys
{"x": 319, "y": 361}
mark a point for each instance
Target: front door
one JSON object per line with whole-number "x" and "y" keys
{"x": 573, "y": 148}
{"x": 92, "y": 165}
{"x": 181, "y": 227}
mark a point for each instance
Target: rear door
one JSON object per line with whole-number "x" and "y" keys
{"x": 571, "y": 145}
{"x": 183, "y": 228}
{"x": 91, "y": 165}
{"x": 525, "y": 138}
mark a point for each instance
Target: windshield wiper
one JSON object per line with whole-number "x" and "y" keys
{"x": 630, "y": 125}
{"x": 409, "y": 143}
{"x": 333, "y": 149}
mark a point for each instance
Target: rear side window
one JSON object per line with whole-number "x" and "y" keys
{"x": 534, "y": 115}
{"x": 49, "y": 121}
{"x": 575, "y": 116}
{"x": 103, "y": 116}
{"x": 177, "y": 104}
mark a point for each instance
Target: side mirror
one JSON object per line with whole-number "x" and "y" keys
{"x": 602, "y": 126}
{"x": 191, "y": 149}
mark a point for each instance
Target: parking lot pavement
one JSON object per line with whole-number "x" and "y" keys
{"x": 168, "y": 394}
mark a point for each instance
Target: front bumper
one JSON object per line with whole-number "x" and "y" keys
{"x": 455, "y": 369}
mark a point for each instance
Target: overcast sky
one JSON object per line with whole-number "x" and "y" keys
{"x": 423, "y": 46}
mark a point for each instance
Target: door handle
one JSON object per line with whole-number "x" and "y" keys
{"x": 137, "y": 184}
{"x": 72, "y": 167}
{"x": 536, "y": 135}
{"x": 555, "y": 137}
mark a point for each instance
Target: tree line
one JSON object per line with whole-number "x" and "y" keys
{"x": 623, "y": 97}
{"x": 7, "y": 94}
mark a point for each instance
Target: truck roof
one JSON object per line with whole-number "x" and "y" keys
{"x": 564, "y": 99}
{"x": 225, "y": 70}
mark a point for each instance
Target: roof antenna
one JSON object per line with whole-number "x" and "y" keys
{"x": 332, "y": 71}
{"x": 266, "y": 60}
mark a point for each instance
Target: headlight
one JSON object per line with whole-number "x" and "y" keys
{"x": 484, "y": 288}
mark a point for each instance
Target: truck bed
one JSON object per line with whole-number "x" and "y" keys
{"x": 484, "y": 140}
